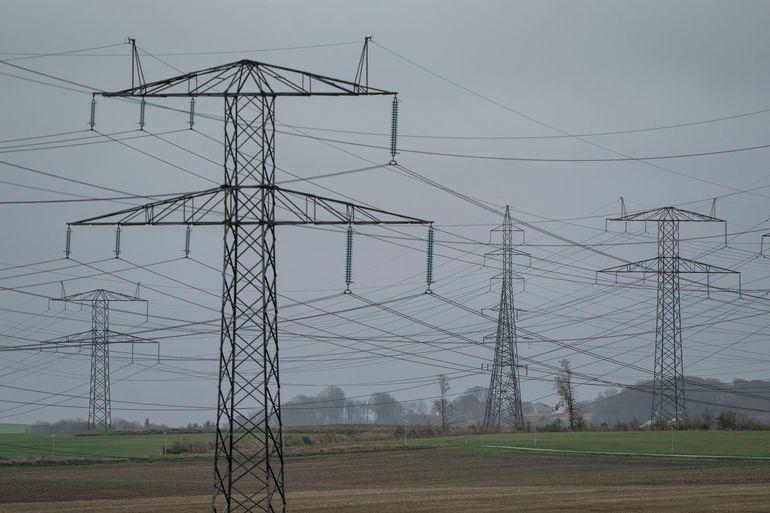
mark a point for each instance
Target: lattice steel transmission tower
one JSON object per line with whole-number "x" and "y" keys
{"x": 99, "y": 339}
{"x": 668, "y": 403}
{"x": 249, "y": 461}
{"x": 504, "y": 395}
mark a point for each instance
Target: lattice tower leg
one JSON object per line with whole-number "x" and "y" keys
{"x": 99, "y": 407}
{"x": 668, "y": 385}
{"x": 249, "y": 465}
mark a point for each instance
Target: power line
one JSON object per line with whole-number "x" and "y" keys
{"x": 541, "y": 159}
{"x": 540, "y": 137}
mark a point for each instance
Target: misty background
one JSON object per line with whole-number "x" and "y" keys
{"x": 501, "y": 83}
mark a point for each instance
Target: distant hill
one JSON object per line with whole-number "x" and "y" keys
{"x": 706, "y": 398}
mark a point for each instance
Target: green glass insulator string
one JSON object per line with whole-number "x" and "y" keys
{"x": 394, "y": 130}
{"x": 348, "y": 259}
{"x": 429, "y": 265}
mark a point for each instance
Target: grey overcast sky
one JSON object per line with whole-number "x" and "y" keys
{"x": 483, "y": 78}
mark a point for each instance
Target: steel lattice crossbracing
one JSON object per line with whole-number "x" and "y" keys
{"x": 503, "y": 406}
{"x": 99, "y": 407}
{"x": 668, "y": 394}
{"x": 249, "y": 445}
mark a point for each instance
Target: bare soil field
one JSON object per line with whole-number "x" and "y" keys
{"x": 431, "y": 480}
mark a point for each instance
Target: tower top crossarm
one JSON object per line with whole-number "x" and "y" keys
{"x": 668, "y": 214}
{"x": 98, "y": 294}
{"x": 248, "y": 78}
{"x": 294, "y": 208}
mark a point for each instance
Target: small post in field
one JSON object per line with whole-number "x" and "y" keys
{"x": 672, "y": 439}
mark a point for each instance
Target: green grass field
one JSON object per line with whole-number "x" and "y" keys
{"x": 35, "y": 445}
{"x": 705, "y": 443}
{"x": 12, "y": 428}
{"x": 742, "y": 444}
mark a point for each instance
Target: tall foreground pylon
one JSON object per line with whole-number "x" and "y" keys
{"x": 503, "y": 406}
{"x": 249, "y": 461}
{"x": 99, "y": 339}
{"x": 668, "y": 402}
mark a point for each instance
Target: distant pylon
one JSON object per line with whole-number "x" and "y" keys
{"x": 668, "y": 401}
{"x": 504, "y": 396}
{"x": 98, "y": 339}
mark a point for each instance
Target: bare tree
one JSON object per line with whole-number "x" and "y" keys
{"x": 332, "y": 405}
{"x": 442, "y": 406}
{"x": 562, "y": 383}
{"x": 385, "y": 408}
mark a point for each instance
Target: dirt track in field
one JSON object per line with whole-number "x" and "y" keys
{"x": 438, "y": 480}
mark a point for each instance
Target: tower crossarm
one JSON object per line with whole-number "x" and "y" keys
{"x": 86, "y": 338}
{"x": 192, "y": 208}
{"x": 488, "y": 367}
{"x": 500, "y": 252}
{"x": 513, "y": 251}
{"x": 127, "y": 338}
{"x": 653, "y": 266}
{"x": 98, "y": 294}
{"x": 688, "y": 266}
{"x": 292, "y": 208}
{"x": 312, "y": 209}
{"x": 248, "y": 78}
{"x": 667, "y": 214}
{"x": 491, "y": 338}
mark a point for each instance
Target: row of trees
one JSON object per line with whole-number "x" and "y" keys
{"x": 332, "y": 406}
{"x": 76, "y": 426}
{"x": 612, "y": 407}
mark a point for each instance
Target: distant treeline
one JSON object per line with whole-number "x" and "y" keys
{"x": 76, "y": 426}
{"x": 332, "y": 406}
{"x": 711, "y": 404}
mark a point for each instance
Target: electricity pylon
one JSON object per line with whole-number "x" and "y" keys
{"x": 249, "y": 461}
{"x": 99, "y": 339}
{"x": 504, "y": 395}
{"x": 668, "y": 402}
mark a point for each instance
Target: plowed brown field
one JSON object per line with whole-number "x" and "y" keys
{"x": 436, "y": 480}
